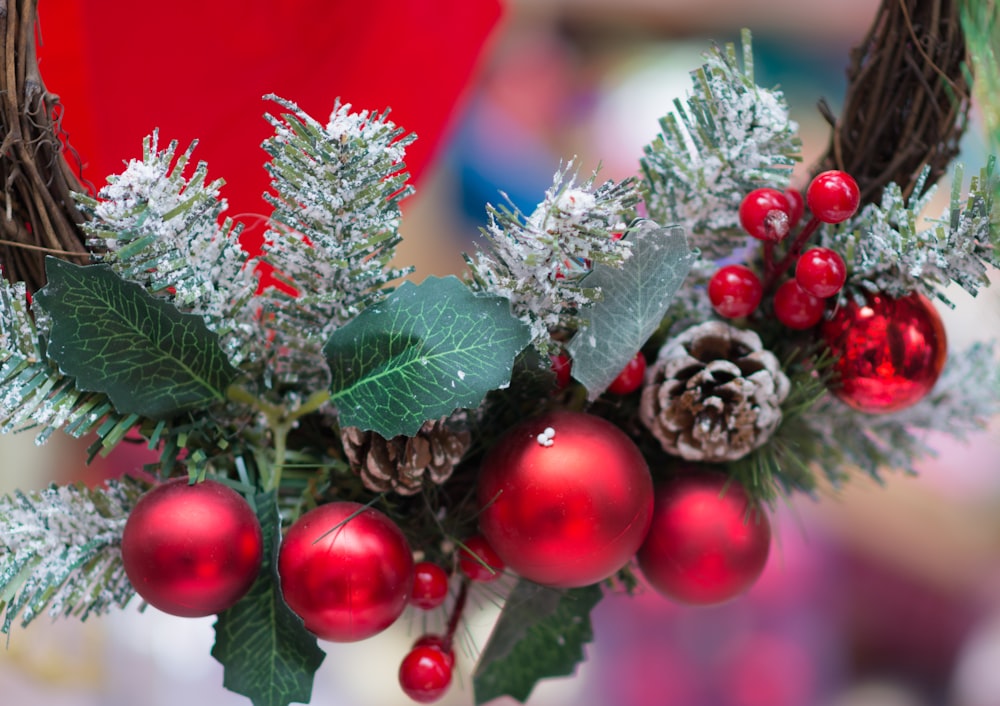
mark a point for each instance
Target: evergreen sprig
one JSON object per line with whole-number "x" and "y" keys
{"x": 888, "y": 251}
{"x": 537, "y": 261}
{"x": 60, "y": 550}
{"x": 728, "y": 137}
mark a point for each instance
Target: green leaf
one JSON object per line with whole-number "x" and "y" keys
{"x": 268, "y": 655}
{"x": 540, "y": 634}
{"x": 635, "y": 298}
{"x": 421, "y": 353}
{"x": 116, "y": 338}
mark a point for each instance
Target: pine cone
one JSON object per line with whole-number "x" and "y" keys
{"x": 401, "y": 464}
{"x": 714, "y": 394}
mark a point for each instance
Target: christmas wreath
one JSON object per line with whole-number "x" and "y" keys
{"x": 615, "y": 393}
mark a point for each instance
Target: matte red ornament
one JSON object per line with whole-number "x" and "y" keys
{"x": 707, "y": 542}
{"x": 566, "y": 499}
{"x": 347, "y": 570}
{"x": 888, "y": 353}
{"x": 192, "y": 550}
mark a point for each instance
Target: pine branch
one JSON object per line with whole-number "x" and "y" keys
{"x": 163, "y": 231}
{"x": 537, "y": 261}
{"x": 336, "y": 217}
{"x": 60, "y": 551}
{"x": 727, "y": 138}
{"x": 888, "y": 252}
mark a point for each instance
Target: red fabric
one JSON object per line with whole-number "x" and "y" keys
{"x": 198, "y": 69}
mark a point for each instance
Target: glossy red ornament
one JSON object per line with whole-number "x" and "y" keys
{"x": 888, "y": 353}
{"x": 192, "y": 550}
{"x": 430, "y": 585}
{"x": 566, "y": 498}
{"x": 425, "y": 673}
{"x": 735, "y": 291}
{"x": 707, "y": 543}
{"x": 346, "y": 570}
{"x": 766, "y": 214}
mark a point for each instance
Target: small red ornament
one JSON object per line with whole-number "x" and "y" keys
{"x": 425, "y": 673}
{"x": 566, "y": 498}
{"x": 192, "y": 550}
{"x": 821, "y": 271}
{"x": 707, "y": 543}
{"x": 631, "y": 377}
{"x": 766, "y": 214}
{"x": 430, "y": 585}
{"x": 888, "y": 353}
{"x": 479, "y": 561}
{"x": 346, "y": 570}
{"x": 735, "y": 291}
{"x": 833, "y": 196}
{"x": 796, "y": 308}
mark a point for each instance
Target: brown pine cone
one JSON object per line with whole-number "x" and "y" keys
{"x": 402, "y": 463}
{"x": 714, "y": 394}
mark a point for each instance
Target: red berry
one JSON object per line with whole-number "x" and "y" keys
{"x": 479, "y": 561}
{"x": 766, "y": 214}
{"x": 821, "y": 272}
{"x": 425, "y": 674}
{"x": 430, "y": 585}
{"x": 735, "y": 291}
{"x": 562, "y": 366}
{"x": 798, "y": 205}
{"x": 436, "y": 642}
{"x": 833, "y": 196}
{"x": 796, "y": 308}
{"x": 631, "y": 376}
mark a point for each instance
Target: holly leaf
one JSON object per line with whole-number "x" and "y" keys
{"x": 421, "y": 353}
{"x": 541, "y": 633}
{"x": 635, "y": 297}
{"x": 268, "y": 655}
{"x": 114, "y": 337}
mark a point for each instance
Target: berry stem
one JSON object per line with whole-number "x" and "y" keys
{"x": 774, "y": 274}
{"x": 768, "y": 258}
{"x": 456, "y": 613}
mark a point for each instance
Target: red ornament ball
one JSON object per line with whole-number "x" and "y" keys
{"x": 833, "y": 196}
{"x": 566, "y": 498}
{"x": 707, "y": 543}
{"x": 479, "y": 561}
{"x": 888, "y": 353}
{"x": 766, "y": 214}
{"x": 735, "y": 291}
{"x": 425, "y": 673}
{"x": 631, "y": 377}
{"x": 796, "y": 308}
{"x": 430, "y": 585}
{"x": 192, "y": 550}
{"x": 347, "y": 570}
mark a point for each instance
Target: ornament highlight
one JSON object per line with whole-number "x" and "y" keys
{"x": 707, "y": 543}
{"x": 192, "y": 550}
{"x": 566, "y": 499}
{"x": 346, "y": 570}
{"x": 888, "y": 353}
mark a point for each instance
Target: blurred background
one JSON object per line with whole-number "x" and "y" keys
{"x": 875, "y": 595}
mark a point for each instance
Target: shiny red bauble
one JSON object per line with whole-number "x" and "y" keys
{"x": 425, "y": 673}
{"x": 346, "y": 570}
{"x": 192, "y": 550}
{"x": 707, "y": 542}
{"x": 888, "y": 353}
{"x": 566, "y": 499}
{"x": 430, "y": 585}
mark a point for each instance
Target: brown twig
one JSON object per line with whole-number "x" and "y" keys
{"x": 38, "y": 215}
{"x": 907, "y": 99}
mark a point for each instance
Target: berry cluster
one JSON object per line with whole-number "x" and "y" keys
{"x": 771, "y": 216}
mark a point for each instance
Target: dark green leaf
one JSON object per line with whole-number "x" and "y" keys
{"x": 115, "y": 338}
{"x": 635, "y": 298}
{"x": 421, "y": 353}
{"x": 540, "y": 634}
{"x": 268, "y": 655}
